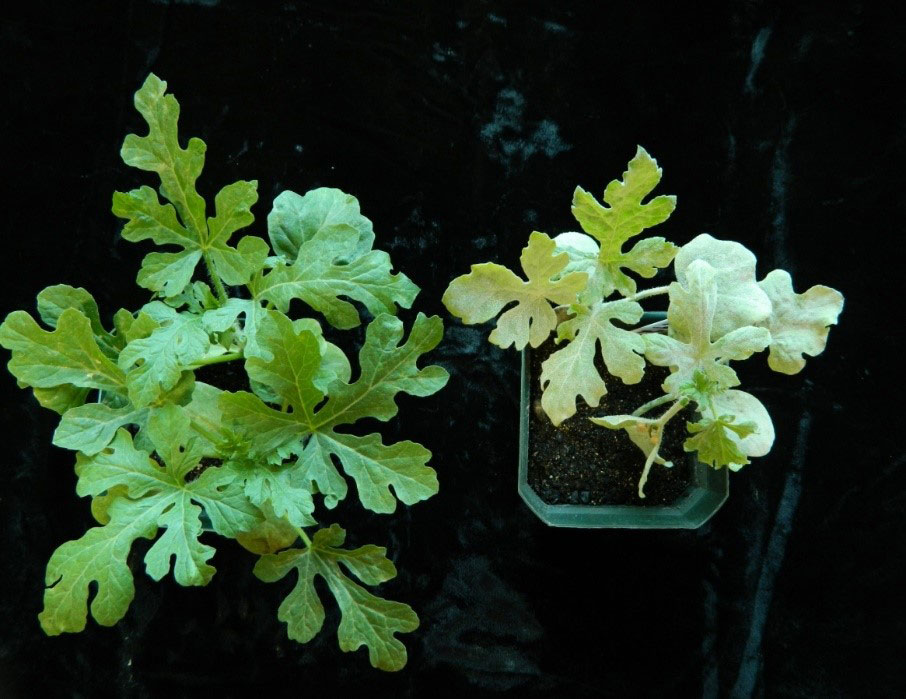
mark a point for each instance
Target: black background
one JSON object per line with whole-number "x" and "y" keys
{"x": 461, "y": 127}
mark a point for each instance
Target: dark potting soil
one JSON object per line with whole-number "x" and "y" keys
{"x": 581, "y": 463}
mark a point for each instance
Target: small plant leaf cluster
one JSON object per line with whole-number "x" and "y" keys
{"x": 167, "y": 457}
{"x": 718, "y": 312}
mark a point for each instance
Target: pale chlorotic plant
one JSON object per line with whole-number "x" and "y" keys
{"x": 169, "y": 458}
{"x": 718, "y": 312}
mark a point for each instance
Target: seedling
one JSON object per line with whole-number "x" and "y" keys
{"x": 166, "y": 457}
{"x": 577, "y": 287}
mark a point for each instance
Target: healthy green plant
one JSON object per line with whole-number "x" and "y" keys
{"x": 167, "y": 457}
{"x": 717, "y": 313}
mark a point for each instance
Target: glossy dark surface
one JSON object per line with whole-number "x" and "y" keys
{"x": 461, "y": 127}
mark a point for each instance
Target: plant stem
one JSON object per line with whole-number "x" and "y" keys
{"x": 651, "y": 405}
{"x": 219, "y": 359}
{"x": 215, "y": 280}
{"x": 648, "y": 292}
{"x": 303, "y": 536}
{"x": 206, "y": 433}
{"x": 658, "y": 429}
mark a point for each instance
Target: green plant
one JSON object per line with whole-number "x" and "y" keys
{"x": 161, "y": 452}
{"x": 717, "y": 313}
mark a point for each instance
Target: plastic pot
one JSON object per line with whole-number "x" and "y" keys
{"x": 703, "y": 497}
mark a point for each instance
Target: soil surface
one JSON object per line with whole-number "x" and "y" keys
{"x": 581, "y": 463}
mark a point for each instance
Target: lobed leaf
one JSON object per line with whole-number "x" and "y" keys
{"x": 67, "y": 356}
{"x": 332, "y": 264}
{"x": 387, "y": 368}
{"x": 296, "y": 219}
{"x": 570, "y": 372}
{"x": 365, "y": 618}
{"x": 480, "y": 295}
{"x": 155, "y": 363}
{"x": 799, "y": 323}
{"x": 182, "y": 221}
{"x": 692, "y": 306}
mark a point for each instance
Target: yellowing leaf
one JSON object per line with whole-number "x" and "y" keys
{"x": 480, "y": 295}
{"x": 626, "y": 217}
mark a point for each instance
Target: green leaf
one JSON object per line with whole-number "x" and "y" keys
{"x": 168, "y": 273}
{"x": 387, "y": 368}
{"x": 331, "y": 264}
{"x": 60, "y": 398}
{"x": 799, "y": 323}
{"x": 365, "y": 618}
{"x": 711, "y": 438}
{"x": 296, "y": 219}
{"x": 480, "y": 295}
{"x": 69, "y": 355}
{"x": 746, "y": 409}
{"x": 53, "y": 300}
{"x": 740, "y": 301}
{"x": 152, "y": 496}
{"x": 89, "y": 428}
{"x": 282, "y": 488}
{"x": 160, "y": 152}
{"x": 570, "y": 372}
{"x": 154, "y": 364}
{"x": 235, "y": 265}
{"x": 692, "y": 306}
{"x": 98, "y": 558}
{"x": 269, "y": 535}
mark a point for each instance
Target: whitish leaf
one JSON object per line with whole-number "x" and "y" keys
{"x": 296, "y": 219}
{"x": 740, "y": 301}
{"x": 365, "y": 618}
{"x": 570, "y": 372}
{"x": 693, "y": 304}
{"x": 480, "y": 295}
{"x": 799, "y": 323}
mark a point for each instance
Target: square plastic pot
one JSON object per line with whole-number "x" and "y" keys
{"x": 706, "y": 493}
